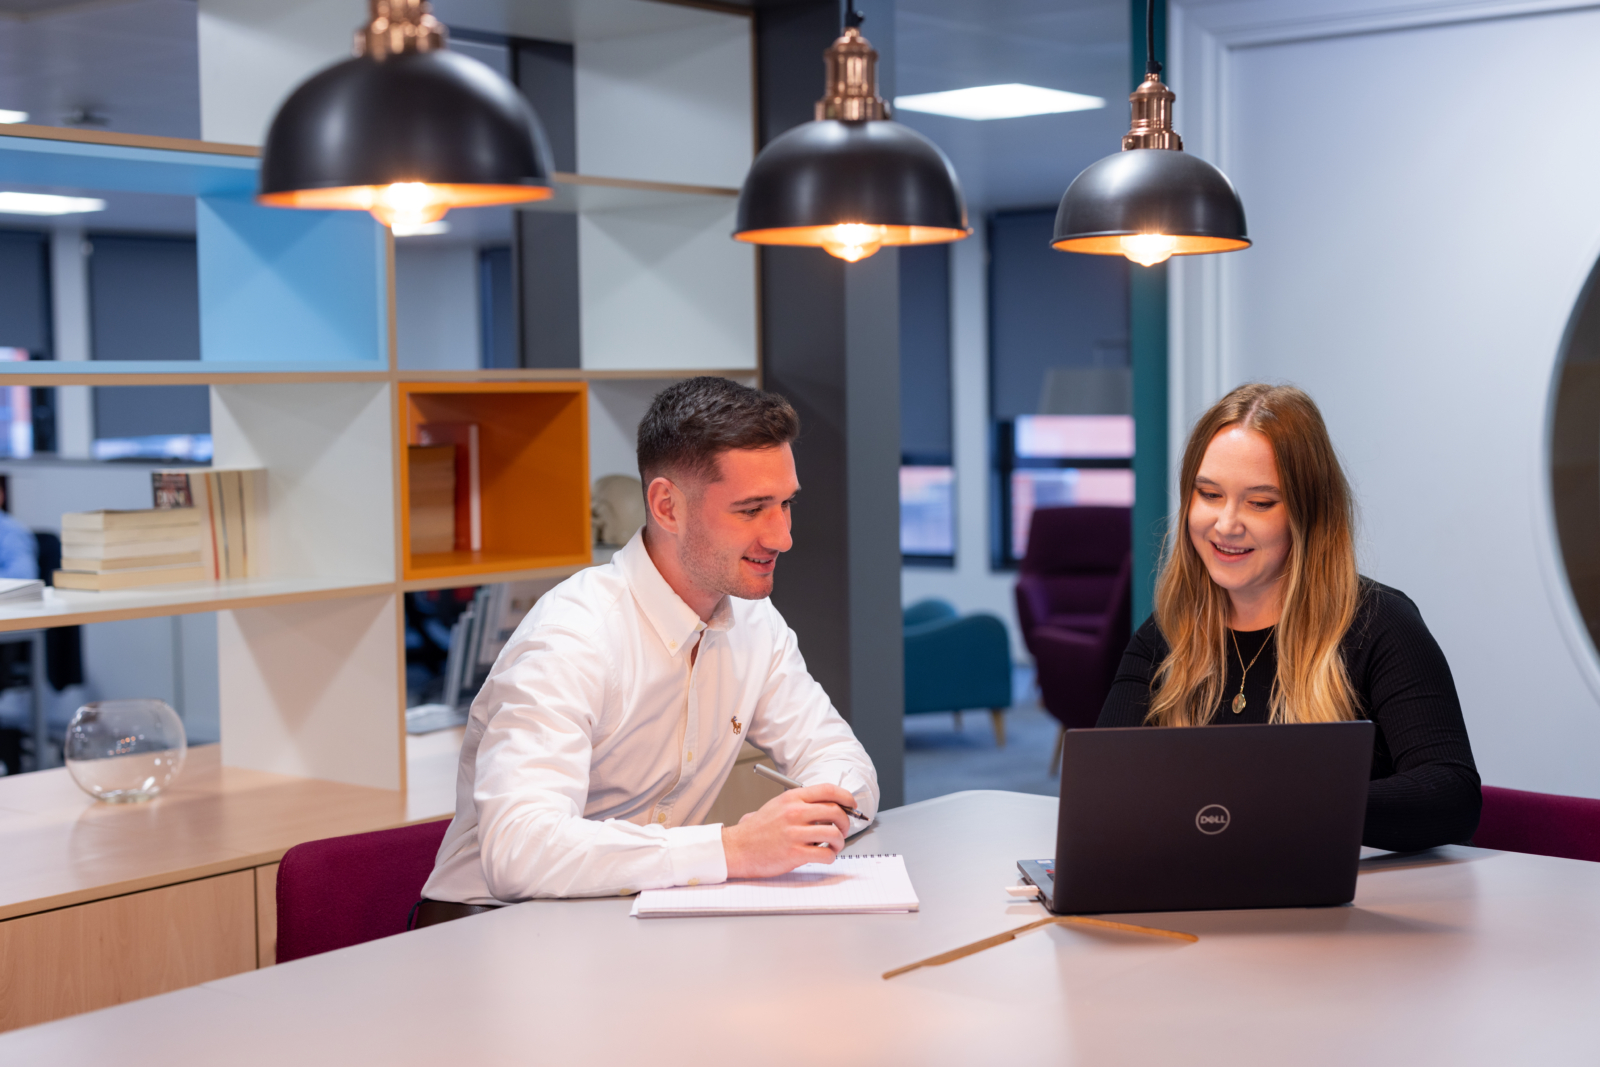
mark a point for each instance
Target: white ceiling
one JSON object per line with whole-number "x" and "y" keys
{"x": 134, "y": 64}
{"x": 1080, "y": 46}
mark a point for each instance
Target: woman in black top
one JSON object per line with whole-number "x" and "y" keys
{"x": 1261, "y": 617}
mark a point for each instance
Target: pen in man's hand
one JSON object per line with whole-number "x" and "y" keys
{"x": 789, "y": 783}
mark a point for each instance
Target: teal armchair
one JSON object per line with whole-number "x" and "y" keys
{"x": 956, "y": 662}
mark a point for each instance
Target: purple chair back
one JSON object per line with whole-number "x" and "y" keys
{"x": 1544, "y": 824}
{"x": 1086, "y": 540}
{"x": 341, "y": 891}
{"x": 1078, "y": 565}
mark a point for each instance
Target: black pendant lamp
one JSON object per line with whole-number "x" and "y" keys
{"x": 851, "y": 181}
{"x": 1151, "y": 200}
{"x": 406, "y": 130}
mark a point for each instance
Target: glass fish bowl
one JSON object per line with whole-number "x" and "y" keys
{"x": 125, "y": 751}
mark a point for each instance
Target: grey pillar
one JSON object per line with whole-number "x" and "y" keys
{"x": 830, "y": 344}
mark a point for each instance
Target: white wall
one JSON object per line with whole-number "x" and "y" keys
{"x": 252, "y": 55}
{"x": 668, "y": 104}
{"x": 438, "y": 309}
{"x": 666, "y": 97}
{"x": 664, "y": 287}
{"x": 1422, "y": 230}
{"x": 615, "y": 408}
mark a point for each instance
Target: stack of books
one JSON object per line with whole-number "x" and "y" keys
{"x": 467, "y": 522}
{"x": 103, "y": 550}
{"x": 432, "y": 518}
{"x": 446, "y": 512}
{"x": 232, "y": 507}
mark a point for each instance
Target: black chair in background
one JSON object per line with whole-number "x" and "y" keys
{"x": 63, "y": 654}
{"x": 63, "y": 645}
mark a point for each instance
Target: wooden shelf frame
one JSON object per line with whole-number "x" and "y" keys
{"x": 73, "y": 608}
{"x": 190, "y": 372}
{"x": 69, "y": 608}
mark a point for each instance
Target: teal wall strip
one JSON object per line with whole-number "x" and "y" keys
{"x": 1147, "y": 344}
{"x": 1147, "y": 349}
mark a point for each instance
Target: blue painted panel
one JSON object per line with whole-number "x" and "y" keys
{"x": 283, "y": 286}
{"x": 113, "y": 168}
{"x": 114, "y": 368}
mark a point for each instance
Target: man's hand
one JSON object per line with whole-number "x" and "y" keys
{"x": 799, "y": 826}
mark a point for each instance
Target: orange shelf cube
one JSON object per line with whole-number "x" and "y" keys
{"x": 533, "y": 456}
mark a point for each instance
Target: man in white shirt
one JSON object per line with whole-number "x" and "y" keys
{"x": 617, "y": 709}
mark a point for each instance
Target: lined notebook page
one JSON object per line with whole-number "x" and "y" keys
{"x": 850, "y": 884}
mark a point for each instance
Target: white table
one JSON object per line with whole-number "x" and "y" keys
{"x": 1475, "y": 958}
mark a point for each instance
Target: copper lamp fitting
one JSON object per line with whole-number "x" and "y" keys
{"x": 852, "y": 81}
{"x": 1152, "y": 117}
{"x": 399, "y": 27}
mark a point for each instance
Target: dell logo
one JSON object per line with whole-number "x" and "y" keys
{"x": 1212, "y": 819}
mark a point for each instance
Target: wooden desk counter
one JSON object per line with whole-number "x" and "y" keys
{"x": 1461, "y": 957}
{"x": 103, "y": 903}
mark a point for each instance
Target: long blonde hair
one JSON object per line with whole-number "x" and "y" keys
{"x": 1320, "y": 583}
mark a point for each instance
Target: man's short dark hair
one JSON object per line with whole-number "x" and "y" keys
{"x": 692, "y": 422}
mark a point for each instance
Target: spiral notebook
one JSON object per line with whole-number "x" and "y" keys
{"x": 848, "y": 885}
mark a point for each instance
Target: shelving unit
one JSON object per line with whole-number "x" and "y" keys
{"x": 298, "y": 349}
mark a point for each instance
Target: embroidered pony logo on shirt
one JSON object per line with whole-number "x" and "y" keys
{"x": 737, "y": 725}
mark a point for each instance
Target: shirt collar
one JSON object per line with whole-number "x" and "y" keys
{"x": 673, "y": 621}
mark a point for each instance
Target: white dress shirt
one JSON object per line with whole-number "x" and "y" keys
{"x": 596, "y": 747}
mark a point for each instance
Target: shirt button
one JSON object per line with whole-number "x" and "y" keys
{"x": 694, "y": 881}
{"x": 690, "y": 757}
{"x": 662, "y": 818}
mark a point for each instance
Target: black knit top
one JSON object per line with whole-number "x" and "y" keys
{"x": 1424, "y": 789}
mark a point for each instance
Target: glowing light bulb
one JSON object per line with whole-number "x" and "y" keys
{"x": 854, "y": 241}
{"x": 1148, "y": 249}
{"x": 408, "y": 204}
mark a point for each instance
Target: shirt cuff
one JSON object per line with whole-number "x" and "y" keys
{"x": 696, "y": 855}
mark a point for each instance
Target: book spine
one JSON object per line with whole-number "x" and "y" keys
{"x": 233, "y": 522}
{"x": 199, "y": 489}
{"x": 255, "y": 521}
{"x": 474, "y": 496}
{"x": 219, "y": 529}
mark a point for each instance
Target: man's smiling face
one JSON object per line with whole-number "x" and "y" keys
{"x": 737, "y": 525}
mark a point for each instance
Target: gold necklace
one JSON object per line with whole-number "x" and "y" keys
{"x": 1239, "y": 701}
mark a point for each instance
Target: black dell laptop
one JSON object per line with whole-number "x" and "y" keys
{"x": 1207, "y": 817}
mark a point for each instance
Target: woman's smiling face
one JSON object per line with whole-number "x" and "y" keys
{"x": 1238, "y": 522}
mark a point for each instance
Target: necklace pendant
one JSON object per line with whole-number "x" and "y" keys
{"x": 1238, "y": 704}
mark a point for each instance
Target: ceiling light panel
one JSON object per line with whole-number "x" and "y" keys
{"x": 1010, "y": 101}
{"x": 12, "y": 116}
{"x": 47, "y": 204}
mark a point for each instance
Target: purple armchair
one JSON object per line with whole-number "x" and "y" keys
{"x": 1075, "y": 602}
{"x": 341, "y": 891}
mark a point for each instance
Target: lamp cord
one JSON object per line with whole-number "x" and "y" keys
{"x": 1150, "y": 64}
{"x": 852, "y": 18}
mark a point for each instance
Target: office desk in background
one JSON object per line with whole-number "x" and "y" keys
{"x": 1475, "y": 958}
